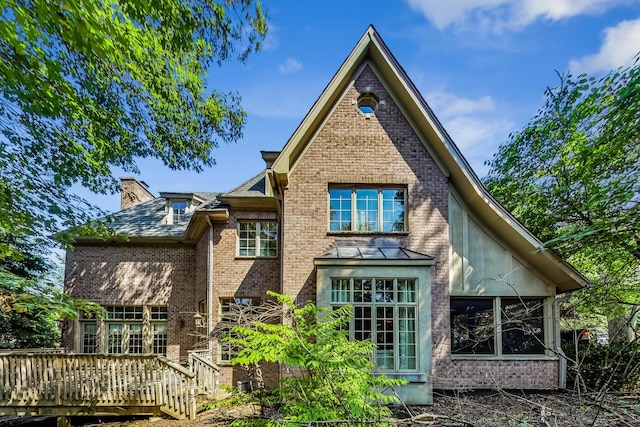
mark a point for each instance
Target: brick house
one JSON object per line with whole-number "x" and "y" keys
{"x": 369, "y": 203}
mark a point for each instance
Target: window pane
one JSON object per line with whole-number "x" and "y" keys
{"x": 179, "y": 210}
{"x": 393, "y": 209}
{"x": 384, "y": 291}
{"x": 406, "y": 290}
{"x": 268, "y": 239}
{"x": 89, "y": 342}
{"x": 367, "y": 210}
{"x": 247, "y": 239}
{"x": 362, "y": 323}
{"x": 362, "y": 290}
{"x": 522, "y": 326}
{"x": 384, "y": 337}
{"x": 472, "y": 326}
{"x": 339, "y": 209}
{"x": 160, "y": 338}
{"x": 135, "y": 338}
{"x": 115, "y": 338}
{"x": 340, "y": 290}
{"x": 407, "y": 338}
{"x": 158, "y": 313}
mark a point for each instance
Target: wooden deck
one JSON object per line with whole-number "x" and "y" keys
{"x": 46, "y": 383}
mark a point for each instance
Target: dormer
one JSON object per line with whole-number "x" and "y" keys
{"x": 179, "y": 205}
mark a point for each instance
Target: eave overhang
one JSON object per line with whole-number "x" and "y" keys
{"x": 371, "y": 48}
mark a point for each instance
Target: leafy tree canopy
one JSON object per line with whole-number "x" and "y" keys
{"x": 89, "y": 85}
{"x": 572, "y": 176}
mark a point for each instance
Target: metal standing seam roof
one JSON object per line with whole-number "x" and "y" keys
{"x": 373, "y": 253}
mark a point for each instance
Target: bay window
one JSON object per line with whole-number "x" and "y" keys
{"x": 384, "y": 311}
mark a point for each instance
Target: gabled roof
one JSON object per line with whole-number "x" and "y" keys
{"x": 145, "y": 220}
{"x": 254, "y": 187}
{"x": 371, "y": 50}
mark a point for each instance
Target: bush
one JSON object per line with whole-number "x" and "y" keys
{"x": 614, "y": 367}
{"x": 329, "y": 378}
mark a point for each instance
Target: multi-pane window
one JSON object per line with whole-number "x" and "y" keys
{"x": 123, "y": 331}
{"x": 89, "y": 337}
{"x": 231, "y": 310}
{"x": 257, "y": 239}
{"x": 179, "y": 210}
{"x": 475, "y": 322}
{"x": 369, "y": 209}
{"x": 385, "y": 311}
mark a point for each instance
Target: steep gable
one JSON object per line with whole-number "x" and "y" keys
{"x": 371, "y": 52}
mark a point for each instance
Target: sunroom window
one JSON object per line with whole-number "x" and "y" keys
{"x": 497, "y": 326}
{"x": 367, "y": 209}
{"x": 384, "y": 311}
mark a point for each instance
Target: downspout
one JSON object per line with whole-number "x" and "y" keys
{"x": 562, "y": 365}
{"x": 210, "y": 289}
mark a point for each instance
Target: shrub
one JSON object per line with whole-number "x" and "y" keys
{"x": 328, "y": 377}
{"x": 614, "y": 367}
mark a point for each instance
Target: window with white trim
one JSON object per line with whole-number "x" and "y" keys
{"x": 178, "y": 210}
{"x": 257, "y": 239}
{"x": 123, "y": 330}
{"x": 497, "y": 326}
{"x": 230, "y": 312}
{"x": 367, "y": 209}
{"x": 385, "y": 310}
{"x": 89, "y": 336}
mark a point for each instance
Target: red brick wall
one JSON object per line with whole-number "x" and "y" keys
{"x": 242, "y": 277}
{"x": 138, "y": 275}
{"x": 384, "y": 149}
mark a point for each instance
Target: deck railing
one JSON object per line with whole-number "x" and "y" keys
{"x": 96, "y": 383}
{"x": 207, "y": 373}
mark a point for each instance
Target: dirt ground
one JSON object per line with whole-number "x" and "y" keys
{"x": 471, "y": 409}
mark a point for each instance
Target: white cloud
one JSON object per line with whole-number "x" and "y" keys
{"x": 474, "y": 124}
{"x": 621, "y": 44}
{"x": 498, "y": 15}
{"x": 290, "y": 65}
{"x": 450, "y": 105}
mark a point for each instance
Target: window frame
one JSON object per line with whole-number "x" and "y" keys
{"x": 497, "y": 341}
{"x": 356, "y": 288}
{"x": 227, "y": 351}
{"x": 355, "y": 212}
{"x": 132, "y": 326}
{"x": 257, "y": 239}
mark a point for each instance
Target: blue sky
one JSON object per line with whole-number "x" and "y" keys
{"x": 482, "y": 65}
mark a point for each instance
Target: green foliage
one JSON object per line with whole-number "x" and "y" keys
{"x": 31, "y": 298}
{"x": 88, "y": 85}
{"x": 614, "y": 367}
{"x": 327, "y": 376}
{"x": 572, "y": 177}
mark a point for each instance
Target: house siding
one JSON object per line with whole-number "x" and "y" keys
{"x": 138, "y": 275}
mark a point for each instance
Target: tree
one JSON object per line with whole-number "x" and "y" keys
{"x": 31, "y": 299}
{"x": 572, "y": 176}
{"x": 89, "y": 85}
{"x": 329, "y": 378}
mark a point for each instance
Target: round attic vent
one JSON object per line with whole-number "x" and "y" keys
{"x": 368, "y": 102}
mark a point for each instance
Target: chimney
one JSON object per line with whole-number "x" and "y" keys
{"x": 269, "y": 157}
{"x": 133, "y": 192}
